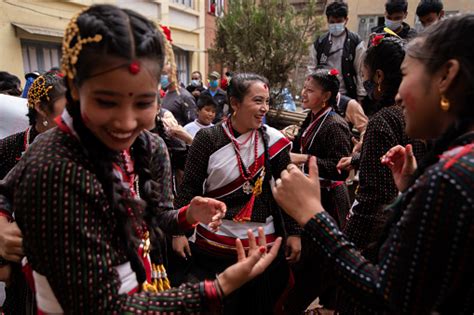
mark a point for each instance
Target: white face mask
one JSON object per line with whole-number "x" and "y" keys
{"x": 336, "y": 29}
{"x": 393, "y": 25}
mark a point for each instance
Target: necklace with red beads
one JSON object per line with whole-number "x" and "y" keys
{"x": 245, "y": 172}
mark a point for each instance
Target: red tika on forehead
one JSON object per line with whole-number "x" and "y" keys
{"x": 134, "y": 67}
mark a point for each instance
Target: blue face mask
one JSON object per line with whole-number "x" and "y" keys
{"x": 369, "y": 87}
{"x": 164, "y": 81}
{"x": 393, "y": 25}
{"x": 213, "y": 84}
{"x": 336, "y": 29}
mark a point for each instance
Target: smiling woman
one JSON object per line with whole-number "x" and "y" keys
{"x": 90, "y": 196}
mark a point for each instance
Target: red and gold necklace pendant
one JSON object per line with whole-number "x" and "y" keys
{"x": 247, "y": 188}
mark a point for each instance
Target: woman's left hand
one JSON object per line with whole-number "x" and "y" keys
{"x": 293, "y": 249}
{"x": 207, "y": 211}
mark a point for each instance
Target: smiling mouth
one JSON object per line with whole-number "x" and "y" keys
{"x": 120, "y": 135}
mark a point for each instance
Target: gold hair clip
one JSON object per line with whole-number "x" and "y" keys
{"x": 71, "y": 54}
{"x": 38, "y": 90}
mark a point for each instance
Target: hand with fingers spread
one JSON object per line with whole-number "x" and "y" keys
{"x": 298, "y": 195}
{"x": 249, "y": 265}
{"x": 293, "y": 249}
{"x": 402, "y": 163}
{"x": 11, "y": 241}
{"x": 207, "y": 211}
{"x": 180, "y": 245}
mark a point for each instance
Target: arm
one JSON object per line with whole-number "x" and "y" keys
{"x": 358, "y": 61}
{"x": 355, "y": 114}
{"x": 195, "y": 171}
{"x": 376, "y": 187}
{"x": 74, "y": 248}
{"x": 337, "y": 142}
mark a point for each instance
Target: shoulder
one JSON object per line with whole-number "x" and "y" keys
{"x": 10, "y": 141}
{"x": 155, "y": 142}
{"x": 354, "y": 37}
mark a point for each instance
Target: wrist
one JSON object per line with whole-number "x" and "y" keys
{"x": 190, "y": 217}
{"x": 225, "y": 285}
{"x": 305, "y": 216}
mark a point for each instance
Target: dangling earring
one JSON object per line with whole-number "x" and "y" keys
{"x": 45, "y": 123}
{"x": 324, "y": 104}
{"x": 444, "y": 103}
{"x": 234, "y": 113}
{"x": 379, "y": 89}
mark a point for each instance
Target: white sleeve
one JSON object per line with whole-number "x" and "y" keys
{"x": 358, "y": 61}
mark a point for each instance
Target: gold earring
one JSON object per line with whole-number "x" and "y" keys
{"x": 379, "y": 89}
{"x": 324, "y": 104}
{"x": 444, "y": 103}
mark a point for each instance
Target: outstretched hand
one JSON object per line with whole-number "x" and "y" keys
{"x": 402, "y": 163}
{"x": 248, "y": 265}
{"x": 207, "y": 211}
{"x": 298, "y": 195}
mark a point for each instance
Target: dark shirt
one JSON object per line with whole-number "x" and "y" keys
{"x": 191, "y": 88}
{"x": 406, "y": 33}
{"x": 182, "y": 105}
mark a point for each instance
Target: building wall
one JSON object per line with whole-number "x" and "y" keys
{"x": 52, "y": 17}
{"x": 358, "y": 8}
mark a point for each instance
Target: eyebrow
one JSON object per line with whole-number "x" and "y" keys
{"x": 112, "y": 93}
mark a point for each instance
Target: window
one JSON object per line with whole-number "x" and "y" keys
{"x": 186, "y": 3}
{"x": 182, "y": 65}
{"x": 40, "y": 56}
{"x": 366, "y": 23}
{"x": 216, "y": 7}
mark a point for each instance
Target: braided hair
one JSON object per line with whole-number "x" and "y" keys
{"x": 386, "y": 56}
{"x": 127, "y": 35}
{"x": 434, "y": 47}
{"x": 46, "y": 89}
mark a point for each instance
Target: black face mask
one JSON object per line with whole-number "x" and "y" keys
{"x": 369, "y": 87}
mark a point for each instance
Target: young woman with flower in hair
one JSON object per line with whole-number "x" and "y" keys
{"x": 425, "y": 252}
{"x": 46, "y": 101}
{"x": 93, "y": 197}
{"x": 326, "y": 135}
{"x": 235, "y": 161}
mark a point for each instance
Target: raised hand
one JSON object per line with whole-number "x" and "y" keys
{"x": 249, "y": 265}
{"x": 11, "y": 241}
{"x": 207, "y": 211}
{"x": 402, "y": 163}
{"x": 298, "y": 195}
{"x": 344, "y": 164}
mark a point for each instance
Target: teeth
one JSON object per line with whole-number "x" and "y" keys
{"x": 121, "y": 135}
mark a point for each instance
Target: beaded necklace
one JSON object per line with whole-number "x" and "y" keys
{"x": 246, "y": 173}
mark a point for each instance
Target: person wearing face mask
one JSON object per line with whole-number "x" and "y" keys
{"x": 218, "y": 95}
{"x": 395, "y": 12}
{"x": 177, "y": 99}
{"x": 196, "y": 86}
{"x": 340, "y": 49}
{"x": 429, "y": 12}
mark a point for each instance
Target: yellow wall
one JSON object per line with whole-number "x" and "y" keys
{"x": 56, "y": 15}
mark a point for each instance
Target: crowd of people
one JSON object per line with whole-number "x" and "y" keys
{"x": 124, "y": 191}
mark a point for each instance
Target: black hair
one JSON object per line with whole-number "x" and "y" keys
{"x": 198, "y": 72}
{"x": 58, "y": 90}
{"x": 394, "y": 6}
{"x": 329, "y": 83}
{"x": 338, "y": 9}
{"x": 9, "y": 84}
{"x": 426, "y": 7}
{"x": 434, "y": 47}
{"x": 387, "y": 56}
{"x": 126, "y": 35}
{"x": 240, "y": 83}
{"x": 206, "y": 100}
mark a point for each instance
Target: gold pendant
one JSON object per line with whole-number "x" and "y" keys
{"x": 146, "y": 244}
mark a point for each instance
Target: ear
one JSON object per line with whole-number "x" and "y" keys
{"x": 234, "y": 103}
{"x": 39, "y": 110}
{"x": 347, "y": 20}
{"x": 405, "y": 15}
{"x": 441, "y": 14}
{"x": 379, "y": 76}
{"x": 74, "y": 90}
{"x": 448, "y": 73}
{"x": 327, "y": 96}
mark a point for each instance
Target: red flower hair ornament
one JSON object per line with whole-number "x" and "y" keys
{"x": 333, "y": 72}
{"x": 167, "y": 32}
{"x": 377, "y": 40}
